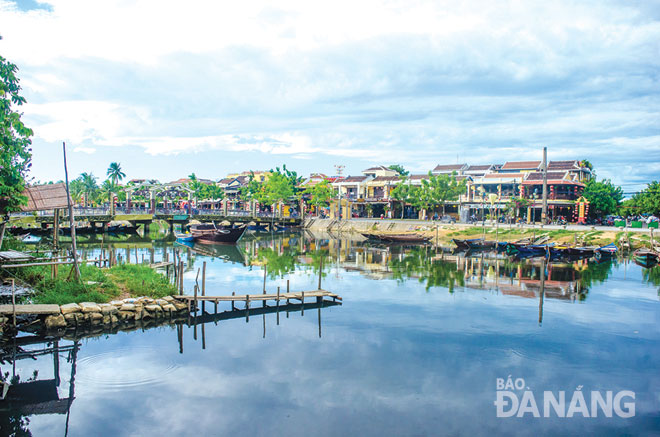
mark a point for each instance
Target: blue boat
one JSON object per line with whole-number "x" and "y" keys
{"x": 606, "y": 252}
{"x": 184, "y": 237}
{"x": 31, "y": 239}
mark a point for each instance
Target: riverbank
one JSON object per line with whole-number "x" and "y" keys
{"x": 443, "y": 233}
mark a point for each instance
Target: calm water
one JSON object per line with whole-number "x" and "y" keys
{"x": 415, "y": 349}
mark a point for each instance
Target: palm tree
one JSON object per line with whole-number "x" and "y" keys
{"x": 89, "y": 185}
{"x": 114, "y": 172}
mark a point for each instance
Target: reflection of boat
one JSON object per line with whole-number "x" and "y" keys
{"x": 214, "y": 234}
{"x": 258, "y": 228}
{"x": 31, "y": 239}
{"x": 646, "y": 257}
{"x": 184, "y": 237}
{"x": 399, "y": 238}
{"x": 227, "y": 252}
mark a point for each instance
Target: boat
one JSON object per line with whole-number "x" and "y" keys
{"x": 581, "y": 252}
{"x": 398, "y": 238}
{"x": 528, "y": 250}
{"x": 184, "y": 237}
{"x": 30, "y": 239}
{"x": 475, "y": 244}
{"x": 646, "y": 257}
{"x": 606, "y": 252}
{"x": 206, "y": 233}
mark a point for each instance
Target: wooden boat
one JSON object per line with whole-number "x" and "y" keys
{"x": 646, "y": 257}
{"x": 398, "y": 238}
{"x": 206, "y": 233}
{"x": 606, "y": 252}
{"x": 528, "y": 250}
{"x": 184, "y": 237}
{"x": 581, "y": 252}
{"x": 31, "y": 239}
{"x": 475, "y": 244}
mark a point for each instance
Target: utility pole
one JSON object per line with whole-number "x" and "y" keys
{"x": 340, "y": 169}
{"x": 544, "y": 170}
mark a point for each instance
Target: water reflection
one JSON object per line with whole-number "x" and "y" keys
{"x": 415, "y": 349}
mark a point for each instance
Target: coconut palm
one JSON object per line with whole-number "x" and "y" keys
{"x": 114, "y": 172}
{"x": 89, "y": 185}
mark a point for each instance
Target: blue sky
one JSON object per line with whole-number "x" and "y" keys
{"x": 168, "y": 87}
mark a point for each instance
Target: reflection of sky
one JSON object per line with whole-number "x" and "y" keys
{"x": 393, "y": 360}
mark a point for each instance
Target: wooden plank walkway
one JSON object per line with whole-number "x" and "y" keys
{"x": 13, "y": 255}
{"x": 298, "y": 295}
{"x": 30, "y": 309}
{"x": 160, "y": 265}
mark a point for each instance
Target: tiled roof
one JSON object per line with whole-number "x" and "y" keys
{"x": 386, "y": 179}
{"x": 505, "y": 176}
{"x": 479, "y": 167}
{"x": 419, "y": 176}
{"x": 353, "y": 179}
{"x": 380, "y": 167}
{"x": 521, "y": 165}
{"x": 552, "y": 175}
{"x": 449, "y": 167}
{"x": 563, "y": 165}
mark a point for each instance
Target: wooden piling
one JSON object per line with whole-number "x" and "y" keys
{"x": 265, "y": 268}
{"x": 233, "y": 305}
{"x": 13, "y": 300}
{"x": 277, "y": 304}
{"x": 320, "y": 270}
{"x": 287, "y": 289}
{"x": 302, "y": 303}
{"x": 180, "y": 277}
{"x": 247, "y": 308}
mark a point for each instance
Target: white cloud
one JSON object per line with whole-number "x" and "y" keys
{"x": 414, "y": 82}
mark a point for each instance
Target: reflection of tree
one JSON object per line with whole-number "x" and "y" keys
{"x": 434, "y": 273}
{"x": 652, "y": 276}
{"x": 279, "y": 264}
{"x": 595, "y": 273}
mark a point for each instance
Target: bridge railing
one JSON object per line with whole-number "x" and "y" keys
{"x": 105, "y": 211}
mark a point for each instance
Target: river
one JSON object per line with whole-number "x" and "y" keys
{"x": 424, "y": 343}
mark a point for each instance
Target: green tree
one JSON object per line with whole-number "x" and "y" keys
{"x": 437, "y": 190}
{"x": 646, "y": 201}
{"x": 603, "y": 196}
{"x": 320, "y": 194}
{"x": 16, "y": 152}
{"x": 399, "y": 169}
{"x": 276, "y": 189}
{"x": 89, "y": 186}
{"x": 114, "y": 172}
{"x": 404, "y": 192}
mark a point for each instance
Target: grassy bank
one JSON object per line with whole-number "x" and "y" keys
{"x": 95, "y": 285}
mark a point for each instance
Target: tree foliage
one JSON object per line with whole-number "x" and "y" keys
{"x": 16, "y": 152}
{"x": 115, "y": 173}
{"x": 399, "y": 169}
{"x": 646, "y": 201}
{"x": 603, "y": 196}
{"x": 320, "y": 194}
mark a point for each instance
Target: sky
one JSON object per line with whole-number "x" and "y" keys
{"x": 168, "y": 88}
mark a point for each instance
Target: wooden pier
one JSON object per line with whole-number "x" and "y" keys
{"x": 263, "y": 297}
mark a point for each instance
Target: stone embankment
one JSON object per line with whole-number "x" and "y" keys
{"x": 116, "y": 312}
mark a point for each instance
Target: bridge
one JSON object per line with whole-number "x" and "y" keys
{"x": 101, "y": 217}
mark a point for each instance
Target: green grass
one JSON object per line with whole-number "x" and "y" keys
{"x": 95, "y": 285}
{"x": 140, "y": 280}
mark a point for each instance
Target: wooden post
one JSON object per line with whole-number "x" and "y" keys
{"x": 302, "y": 303}
{"x": 233, "y": 304}
{"x": 320, "y": 270}
{"x": 13, "y": 300}
{"x": 137, "y": 261}
{"x": 247, "y": 308}
{"x": 265, "y": 268}
{"x": 204, "y": 278}
{"x": 56, "y": 235}
{"x": 180, "y": 278}
{"x": 277, "y": 305}
{"x": 287, "y": 288}
{"x": 72, "y": 221}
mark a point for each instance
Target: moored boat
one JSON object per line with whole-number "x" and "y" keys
{"x": 206, "y": 233}
{"x": 606, "y": 252}
{"x": 646, "y": 257}
{"x": 398, "y": 238}
{"x": 184, "y": 237}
